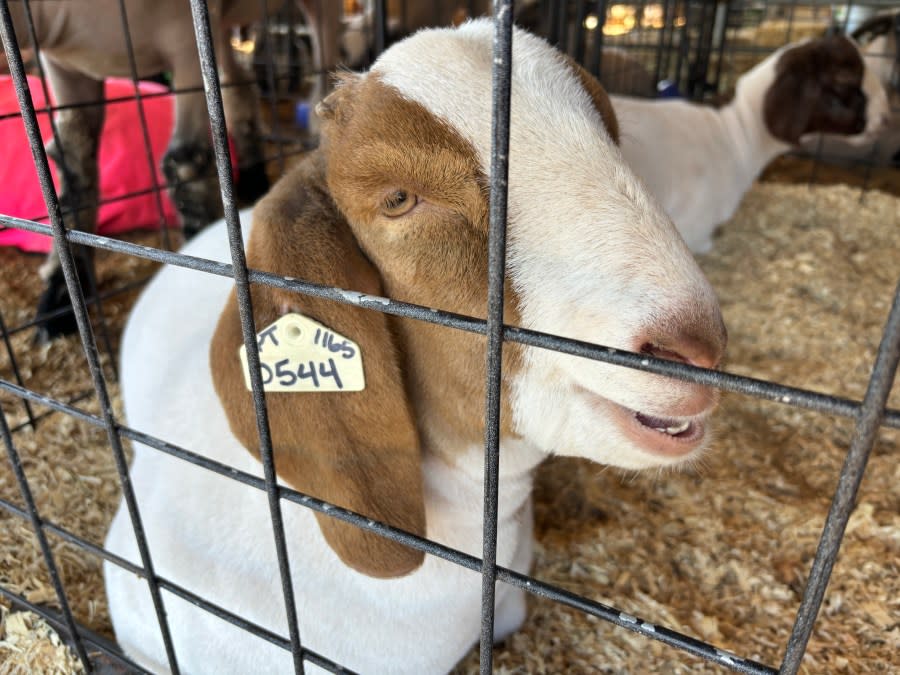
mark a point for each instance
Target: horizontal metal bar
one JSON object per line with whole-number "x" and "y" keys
{"x": 633, "y": 623}
{"x": 125, "y": 196}
{"x": 129, "y": 98}
{"x": 50, "y": 617}
{"x": 37, "y": 418}
{"x": 175, "y": 589}
{"x": 845, "y": 495}
{"x": 90, "y": 301}
{"x": 37, "y": 530}
{"x": 803, "y": 398}
{"x": 525, "y": 582}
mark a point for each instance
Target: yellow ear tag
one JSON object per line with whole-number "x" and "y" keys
{"x": 299, "y": 354}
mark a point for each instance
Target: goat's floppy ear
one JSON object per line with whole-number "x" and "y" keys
{"x": 600, "y": 98}
{"x": 788, "y": 105}
{"x": 359, "y": 450}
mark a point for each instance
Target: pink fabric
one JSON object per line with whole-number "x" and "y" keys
{"x": 123, "y": 162}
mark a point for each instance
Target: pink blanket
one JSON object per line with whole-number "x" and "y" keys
{"x": 123, "y": 163}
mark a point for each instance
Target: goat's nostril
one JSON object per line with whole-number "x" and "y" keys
{"x": 691, "y": 350}
{"x": 661, "y": 352}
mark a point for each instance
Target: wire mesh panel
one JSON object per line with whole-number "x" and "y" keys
{"x": 695, "y": 49}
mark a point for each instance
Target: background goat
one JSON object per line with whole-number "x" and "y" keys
{"x": 81, "y": 44}
{"x": 699, "y": 161}
{"x": 879, "y": 39}
{"x": 395, "y": 203}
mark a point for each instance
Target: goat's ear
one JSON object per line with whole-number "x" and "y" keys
{"x": 788, "y": 104}
{"x": 600, "y": 98}
{"x": 817, "y": 88}
{"x": 359, "y": 450}
{"x": 335, "y": 105}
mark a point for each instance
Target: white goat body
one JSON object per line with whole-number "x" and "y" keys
{"x": 699, "y": 160}
{"x": 394, "y": 203}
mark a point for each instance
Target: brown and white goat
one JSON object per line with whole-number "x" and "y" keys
{"x": 879, "y": 39}
{"x": 81, "y": 44}
{"x": 699, "y": 161}
{"x": 394, "y": 203}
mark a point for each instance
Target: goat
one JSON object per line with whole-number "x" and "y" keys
{"x": 394, "y": 203}
{"x": 699, "y": 161}
{"x": 878, "y": 38}
{"x": 82, "y": 44}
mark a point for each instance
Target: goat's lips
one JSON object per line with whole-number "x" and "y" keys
{"x": 657, "y": 434}
{"x": 666, "y": 436}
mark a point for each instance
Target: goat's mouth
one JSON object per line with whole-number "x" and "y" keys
{"x": 665, "y": 436}
{"x": 669, "y": 436}
{"x": 673, "y": 427}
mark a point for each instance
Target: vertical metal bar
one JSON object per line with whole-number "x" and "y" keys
{"x": 720, "y": 36}
{"x": 683, "y": 47}
{"x": 867, "y": 426}
{"x": 562, "y": 26}
{"x": 38, "y": 528}
{"x": 663, "y": 56}
{"x": 380, "y": 28}
{"x": 501, "y": 87}
{"x": 320, "y": 28}
{"x": 67, "y": 264}
{"x": 271, "y": 80}
{"x": 788, "y": 36}
{"x": 552, "y": 20}
{"x": 16, "y": 372}
{"x": 145, "y": 131}
{"x": 202, "y": 30}
{"x": 580, "y": 15}
{"x": 597, "y": 51}
{"x": 91, "y": 279}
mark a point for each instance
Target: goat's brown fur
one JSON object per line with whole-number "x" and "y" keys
{"x": 817, "y": 88}
{"x": 357, "y": 450}
{"x": 324, "y": 222}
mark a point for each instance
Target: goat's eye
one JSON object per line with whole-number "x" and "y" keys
{"x": 398, "y": 203}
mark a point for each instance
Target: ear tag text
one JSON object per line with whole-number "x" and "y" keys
{"x": 299, "y": 354}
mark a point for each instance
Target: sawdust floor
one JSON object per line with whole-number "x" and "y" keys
{"x": 719, "y": 551}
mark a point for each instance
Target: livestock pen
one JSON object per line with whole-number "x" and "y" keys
{"x": 721, "y": 566}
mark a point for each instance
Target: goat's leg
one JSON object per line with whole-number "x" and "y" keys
{"x": 240, "y": 97}
{"x": 74, "y": 151}
{"x": 188, "y": 164}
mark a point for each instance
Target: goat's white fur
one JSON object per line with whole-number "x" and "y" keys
{"x": 592, "y": 257}
{"x": 699, "y": 161}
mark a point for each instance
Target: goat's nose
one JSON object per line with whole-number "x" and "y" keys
{"x": 702, "y": 346}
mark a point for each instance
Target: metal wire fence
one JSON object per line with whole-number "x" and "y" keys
{"x": 869, "y": 414}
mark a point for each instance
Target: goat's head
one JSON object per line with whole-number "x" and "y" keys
{"x": 820, "y": 86}
{"x": 395, "y": 203}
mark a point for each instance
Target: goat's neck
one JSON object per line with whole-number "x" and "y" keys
{"x": 459, "y": 478}
{"x": 745, "y": 124}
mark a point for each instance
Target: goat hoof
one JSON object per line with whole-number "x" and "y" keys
{"x": 252, "y": 183}
{"x": 55, "y": 316}
{"x": 54, "y": 311}
{"x": 191, "y": 229}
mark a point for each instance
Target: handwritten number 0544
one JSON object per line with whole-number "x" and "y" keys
{"x": 288, "y": 377}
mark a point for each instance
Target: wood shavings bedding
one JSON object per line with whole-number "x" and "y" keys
{"x": 719, "y": 551}
{"x": 28, "y": 646}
